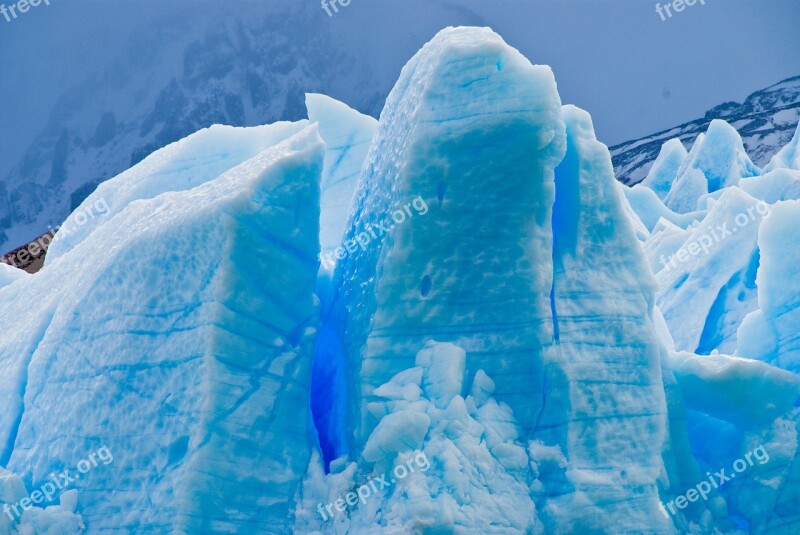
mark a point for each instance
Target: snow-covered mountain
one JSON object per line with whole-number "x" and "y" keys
{"x": 766, "y": 121}
{"x": 241, "y": 69}
{"x": 490, "y": 350}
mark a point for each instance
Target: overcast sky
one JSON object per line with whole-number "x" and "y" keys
{"x": 635, "y": 73}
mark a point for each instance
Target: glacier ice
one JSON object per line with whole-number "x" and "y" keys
{"x": 179, "y": 166}
{"x": 778, "y": 315}
{"x": 774, "y": 186}
{"x": 726, "y": 286}
{"x": 743, "y": 391}
{"x": 535, "y": 344}
{"x": 179, "y": 351}
{"x": 650, "y": 210}
{"x": 467, "y": 113}
{"x": 717, "y": 160}
{"x": 479, "y": 478}
{"x": 58, "y": 519}
{"x": 711, "y": 278}
{"x": 347, "y": 135}
{"x": 541, "y": 350}
{"x": 666, "y": 167}
{"x": 9, "y": 274}
{"x": 604, "y": 401}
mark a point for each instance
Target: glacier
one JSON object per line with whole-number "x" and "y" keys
{"x": 454, "y": 319}
{"x": 194, "y": 371}
{"x": 725, "y": 291}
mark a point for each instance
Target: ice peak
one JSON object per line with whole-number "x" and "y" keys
{"x": 665, "y": 168}
{"x": 717, "y": 160}
{"x": 788, "y": 157}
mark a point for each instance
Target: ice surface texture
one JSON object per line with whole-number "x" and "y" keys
{"x": 529, "y": 267}
{"x": 727, "y": 284}
{"x": 176, "y": 350}
{"x": 717, "y": 160}
{"x": 347, "y": 135}
{"x": 476, "y": 130}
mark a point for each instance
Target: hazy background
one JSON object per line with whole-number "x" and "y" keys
{"x": 635, "y": 73}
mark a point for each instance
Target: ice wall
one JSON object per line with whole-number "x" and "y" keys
{"x": 604, "y": 402}
{"x": 535, "y": 274}
{"x": 770, "y": 332}
{"x": 788, "y": 157}
{"x": 473, "y": 131}
{"x": 185, "y": 349}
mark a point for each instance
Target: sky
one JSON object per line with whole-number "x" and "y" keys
{"x": 634, "y": 72}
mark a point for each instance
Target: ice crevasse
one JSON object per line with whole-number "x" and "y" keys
{"x": 492, "y": 308}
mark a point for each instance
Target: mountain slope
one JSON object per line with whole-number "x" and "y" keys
{"x": 245, "y": 68}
